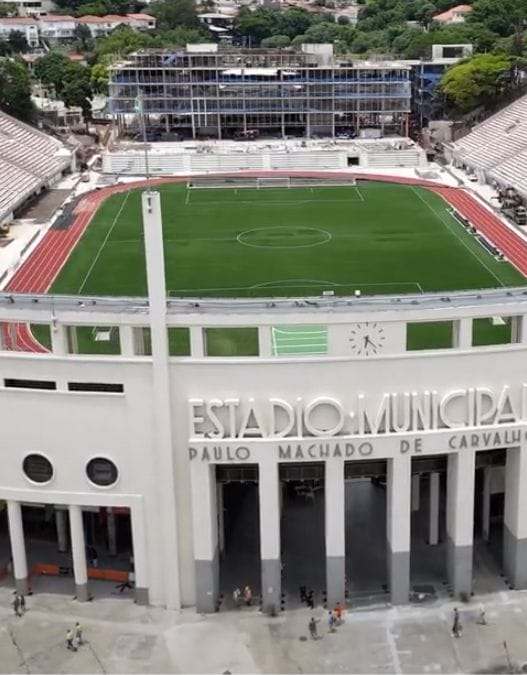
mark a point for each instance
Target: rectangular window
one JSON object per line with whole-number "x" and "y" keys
{"x": 179, "y": 341}
{"x": 231, "y": 341}
{"x": 107, "y": 387}
{"x": 29, "y": 384}
{"x": 299, "y": 340}
{"x": 429, "y": 335}
{"x": 492, "y": 330}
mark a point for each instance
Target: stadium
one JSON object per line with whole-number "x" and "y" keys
{"x": 275, "y": 379}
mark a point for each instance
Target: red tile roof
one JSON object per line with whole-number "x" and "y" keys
{"x": 56, "y": 18}
{"x": 449, "y": 14}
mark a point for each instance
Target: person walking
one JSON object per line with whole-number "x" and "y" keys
{"x": 236, "y": 595}
{"x": 22, "y": 603}
{"x": 16, "y": 604}
{"x": 338, "y": 613}
{"x": 331, "y": 621}
{"x": 248, "y": 595}
{"x": 312, "y": 625}
{"x": 310, "y": 599}
{"x": 69, "y": 641}
{"x": 78, "y": 634}
{"x": 456, "y": 626}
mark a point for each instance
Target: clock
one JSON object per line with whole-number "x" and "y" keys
{"x": 366, "y": 338}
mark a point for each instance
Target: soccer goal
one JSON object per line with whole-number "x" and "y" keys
{"x": 273, "y": 182}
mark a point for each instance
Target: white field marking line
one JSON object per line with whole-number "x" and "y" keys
{"x": 282, "y": 227}
{"x": 272, "y": 202}
{"x": 360, "y": 195}
{"x": 187, "y": 200}
{"x": 114, "y": 222}
{"x": 301, "y": 351}
{"x": 299, "y": 340}
{"x": 447, "y": 224}
{"x": 173, "y": 292}
{"x": 301, "y": 331}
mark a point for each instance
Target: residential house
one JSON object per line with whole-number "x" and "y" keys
{"x": 455, "y": 14}
{"x": 54, "y": 27}
{"x": 30, "y": 7}
{"x": 26, "y": 25}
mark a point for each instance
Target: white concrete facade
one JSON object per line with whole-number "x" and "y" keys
{"x": 121, "y": 427}
{"x": 178, "y": 417}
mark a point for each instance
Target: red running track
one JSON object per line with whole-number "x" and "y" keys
{"x": 39, "y": 270}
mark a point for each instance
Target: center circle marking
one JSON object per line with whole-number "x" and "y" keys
{"x": 283, "y": 236}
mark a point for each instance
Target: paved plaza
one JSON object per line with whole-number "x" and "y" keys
{"x": 124, "y": 638}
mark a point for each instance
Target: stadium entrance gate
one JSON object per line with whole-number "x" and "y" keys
{"x": 305, "y": 523}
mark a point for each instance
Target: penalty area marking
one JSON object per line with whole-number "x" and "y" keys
{"x": 294, "y": 283}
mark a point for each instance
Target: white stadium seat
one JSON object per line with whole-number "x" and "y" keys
{"x": 498, "y": 146}
{"x": 29, "y": 160}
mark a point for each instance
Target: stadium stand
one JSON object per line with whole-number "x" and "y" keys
{"x": 497, "y": 148}
{"x": 30, "y": 161}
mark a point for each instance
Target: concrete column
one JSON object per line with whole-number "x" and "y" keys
{"x": 197, "y": 342}
{"x": 18, "y": 546}
{"x": 516, "y": 329}
{"x": 334, "y": 492}
{"x": 460, "y": 519}
{"x": 221, "y": 517}
{"x": 126, "y": 339}
{"x": 139, "y": 340}
{"x": 164, "y": 457}
{"x": 59, "y": 339}
{"x": 73, "y": 342}
{"x": 111, "y": 523}
{"x": 62, "y": 535}
{"x": 205, "y": 535}
{"x": 12, "y": 336}
{"x": 264, "y": 341}
{"x": 462, "y": 334}
{"x": 522, "y": 328}
{"x": 140, "y": 555}
{"x": 78, "y": 550}
{"x": 433, "y": 511}
{"x": 416, "y": 485}
{"x": 398, "y": 527}
{"x": 485, "y": 511}
{"x": 515, "y": 517}
{"x": 271, "y": 566}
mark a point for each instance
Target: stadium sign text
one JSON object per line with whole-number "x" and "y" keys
{"x": 361, "y": 415}
{"x": 350, "y": 449}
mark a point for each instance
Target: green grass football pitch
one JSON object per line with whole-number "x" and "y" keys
{"x": 379, "y": 238}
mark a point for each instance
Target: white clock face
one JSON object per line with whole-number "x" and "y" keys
{"x": 366, "y": 338}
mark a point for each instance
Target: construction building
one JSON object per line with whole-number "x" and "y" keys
{"x": 207, "y": 90}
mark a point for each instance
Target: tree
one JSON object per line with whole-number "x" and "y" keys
{"x": 82, "y": 33}
{"x": 99, "y": 78}
{"x": 78, "y": 93}
{"x": 255, "y": 26}
{"x": 17, "y": 42}
{"x": 52, "y": 69}
{"x": 174, "y": 13}
{"x": 276, "y": 41}
{"x": 123, "y": 40}
{"x": 503, "y": 17}
{"x": 476, "y": 81}
{"x": 15, "y": 90}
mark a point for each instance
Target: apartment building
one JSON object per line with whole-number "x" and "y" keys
{"x": 207, "y": 90}
{"x": 22, "y": 24}
{"x": 56, "y": 28}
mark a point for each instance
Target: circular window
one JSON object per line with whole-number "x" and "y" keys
{"x": 38, "y": 468}
{"x": 102, "y": 471}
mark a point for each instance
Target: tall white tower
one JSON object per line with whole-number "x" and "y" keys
{"x": 164, "y": 448}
